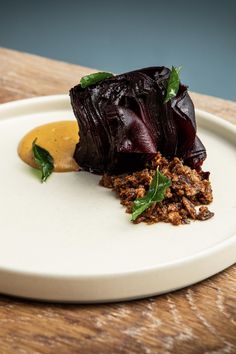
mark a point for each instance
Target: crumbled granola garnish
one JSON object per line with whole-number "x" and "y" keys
{"x": 189, "y": 188}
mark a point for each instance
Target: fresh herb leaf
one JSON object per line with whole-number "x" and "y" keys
{"x": 173, "y": 84}
{"x": 43, "y": 159}
{"x": 155, "y": 194}
{"x": 94, "y": 78}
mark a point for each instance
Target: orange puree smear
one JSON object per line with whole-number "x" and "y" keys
{"x": 58, "y": 138}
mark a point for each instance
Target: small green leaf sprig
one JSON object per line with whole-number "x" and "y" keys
{"x": 94, "y": 78}
{"x": 173, "y": 84}
{"x": 43, "y": 159}
{"x": 155, "y": 194}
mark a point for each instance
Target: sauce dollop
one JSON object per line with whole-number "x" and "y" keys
{"x": 58, "y": 138}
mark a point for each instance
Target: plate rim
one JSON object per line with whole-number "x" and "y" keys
{"x": 188, "y": 260}
{"x": 65, "y": 98}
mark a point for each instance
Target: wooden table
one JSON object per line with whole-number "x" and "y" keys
{"x": 198, "y": 319}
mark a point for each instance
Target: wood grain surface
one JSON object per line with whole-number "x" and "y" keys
{"x": 197, "y": 319}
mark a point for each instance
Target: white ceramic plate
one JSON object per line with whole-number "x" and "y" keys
{"x": 70, "y": 240}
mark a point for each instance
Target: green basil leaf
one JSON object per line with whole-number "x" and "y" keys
{"x": 155, "y": 194}
{"x": 94, "y": 78}
{"x": 43, "y": 159}
{"x": 173, "y": 84}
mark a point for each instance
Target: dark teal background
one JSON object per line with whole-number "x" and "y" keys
{"x": 122, "y": 35}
